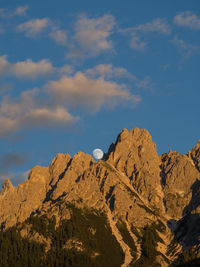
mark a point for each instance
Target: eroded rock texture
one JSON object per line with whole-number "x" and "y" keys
{"x": 140, "y": 193}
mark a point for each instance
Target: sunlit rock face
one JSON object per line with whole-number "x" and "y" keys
{"x": 135, "y": 155}
{"x": 132, "y": 186}
{"x": 179, "y": 176}
{"x": 18, "y": 203}
{"x": 7, "y": 186}
{"x": 196, "y": 155}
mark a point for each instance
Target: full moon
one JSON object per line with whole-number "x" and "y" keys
{"x": 98, "y": 153}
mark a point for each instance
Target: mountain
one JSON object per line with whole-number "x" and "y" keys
{"x": 132, "y": 208}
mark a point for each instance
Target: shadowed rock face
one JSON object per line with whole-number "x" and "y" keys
{"x": 196, "y": 155}
{"x": 178, "y": 178}
{"x": 131, "y": 184}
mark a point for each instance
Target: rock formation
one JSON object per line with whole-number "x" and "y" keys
{"x": 144, "y": 198}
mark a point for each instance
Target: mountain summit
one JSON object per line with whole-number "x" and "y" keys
{"x": 132, "y": 208}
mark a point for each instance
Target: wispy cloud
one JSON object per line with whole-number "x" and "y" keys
{"x": 185, "y": 48}
{"x": 92, "y": 36}
{"x": 12, "y": 159}
{"x": 27, "y": 112}
{"x": 158, "y": 25}
{"x": 33, "y": 27}
{"x": 4, "y": 65}
{"x": 187, "y": 19}
{"x": 59, "y": 36}
{"x": 146, "y": 83}
{"x": 15, "y": 177}
{"x": 66, "y": 69}
{"x": 165, "y": 67}
{"x": 108, "y": 71}
{"x": 21, "y": 10}
{"x": 25, "y": 69}
{"x": 136, "y": 42}
{"x": 9, "y": 13}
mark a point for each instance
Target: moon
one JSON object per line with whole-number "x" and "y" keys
{"x": 98, "y": 153}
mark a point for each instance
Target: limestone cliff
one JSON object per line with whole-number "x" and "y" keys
{"x": 140, "y": 193}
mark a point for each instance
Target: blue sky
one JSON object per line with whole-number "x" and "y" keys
{"x": 73, "y": 74}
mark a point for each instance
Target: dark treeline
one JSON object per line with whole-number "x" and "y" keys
{"x": 100, "y": 247}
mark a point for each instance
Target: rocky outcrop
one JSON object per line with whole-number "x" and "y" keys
{"x": 18, "y": 203}
{"x": 135, "y": 155}
{"x": 69, "y": 177}
{"x": 58, "y": 167}
{"x": 195, "y": 154}
{"x": 132, "y": 184}
{"x": 7, "y": 186}
{"x": 178, "y": 178}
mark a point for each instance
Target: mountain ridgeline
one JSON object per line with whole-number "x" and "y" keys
{"x": 132, "y": 208}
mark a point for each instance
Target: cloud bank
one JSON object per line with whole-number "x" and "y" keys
{"x": 187, "y": 19}
{"x": 89, "y": 93}
{"x": 26, "y": 112}
{"x": 25, "y": 69}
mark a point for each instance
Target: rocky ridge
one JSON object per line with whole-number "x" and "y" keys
{"x": 140, "y": 193}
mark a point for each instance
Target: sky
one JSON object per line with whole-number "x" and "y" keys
{"x": 73, "y": 74}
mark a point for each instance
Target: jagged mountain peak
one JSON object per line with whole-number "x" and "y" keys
{"x": 135, "y": 155}
{"x": 7, "y": 186}
{"x": 132, "y": 187}
{"x": 131, "y": 141}
{"x": 82, "y": 158}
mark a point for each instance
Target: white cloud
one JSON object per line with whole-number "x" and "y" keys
{"x": 136, "y": 43}
{"x": 59, "y": 36}
{"x": 46, "y": 116}
{"x": 159, "y": 25}
{"x": 144, "y": 84}
{"x": 108, "y": 71}
{"x": 32, "y": 69}
{"x": 92, "y": 36}
{"x": 26, "y": 112}
{"x": 33, "y": 26}
{"x": 25, "y": 69}
{"x": 66, "y": 69}
{"x": 136, "y": 33}
{"x": 186, "y": 49}
{"x": 4, "y": 65}
{"x": 21, "y": 10}
{"x": 187, "y": 19}
{"x": 90, "y": 94}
